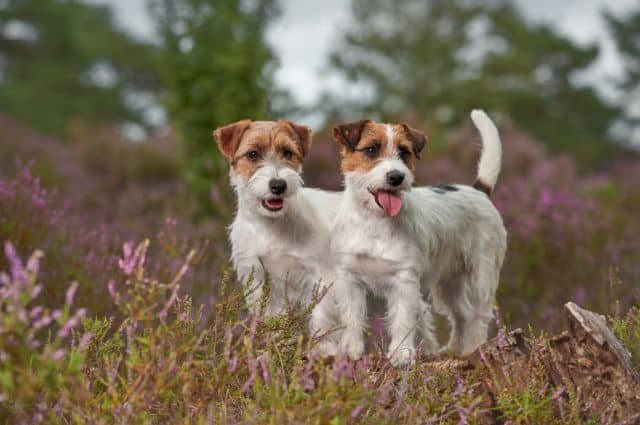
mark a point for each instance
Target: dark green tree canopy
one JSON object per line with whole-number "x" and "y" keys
{"x": 65, "y": 59}
{"x": 626, "y": 33}
{"x": 436, "y": 60}
{"x": 219, "y": 69}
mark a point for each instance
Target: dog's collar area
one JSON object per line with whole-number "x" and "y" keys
{"x": 273, "y": 205}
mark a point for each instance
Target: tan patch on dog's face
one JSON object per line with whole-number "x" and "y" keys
{"x": 260, "y": 141}
{"x": 406, "y": 146}
{"x": 365, "y": 143}
{"x": 367, "y": 151}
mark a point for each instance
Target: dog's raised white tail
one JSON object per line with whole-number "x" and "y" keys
{"x": 491, "y": 157}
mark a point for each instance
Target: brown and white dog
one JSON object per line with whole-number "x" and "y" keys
{"x": 444, "y": 243}
{"x": 281, "y": 228}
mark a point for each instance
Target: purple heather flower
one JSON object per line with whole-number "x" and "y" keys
{"x": 580, "y": 294}
{"x": 558, "y": 393}
{"x": 71, "y": 323}
{"x": 357, "y": 411}
{"x": 85, "y": 340}
{"x": 35, "y": 291}
{"x": 342, "y": 368}
{"x": 58, "y": 354}
{"x": 230, "y": 357}
{"x": 546, "y": 199}
{"x": 129, "y": 259}
{"x": 252, "y": 363}
{"x": 15, "y": 264}
{"x": 36, "y": 311}
{"x": 460, "y": 387}
{"x": 265, "y": 369}
{"x": 502, "y": 336}
{"x": 111, "y": 286}
{"x": 44, "y": 321}
{"x": 71, "y": 292}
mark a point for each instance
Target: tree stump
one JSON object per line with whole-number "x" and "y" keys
{"x": 586, "y": 368}
{"x": 583, "y": 322}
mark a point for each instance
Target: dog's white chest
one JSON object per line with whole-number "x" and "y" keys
{"x": 294, "y": 261}
{"x": 376, "y": 254}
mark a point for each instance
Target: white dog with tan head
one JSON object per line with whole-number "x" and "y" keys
{"x": 414, "y": 246}
{"x": 281, "y": 229}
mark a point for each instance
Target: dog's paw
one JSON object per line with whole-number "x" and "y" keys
{"x": 326, "y": 349}
{"x": 352, "y": 346}
{"x": 402, "y": 356}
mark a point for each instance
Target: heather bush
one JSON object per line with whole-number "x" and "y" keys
{"x": 94, "y": 197}
{"x": 36, "y": 218}
{"x": 162, "y": 361}
{"x": 40, "y": 349}
{"x": 96, "y": 328}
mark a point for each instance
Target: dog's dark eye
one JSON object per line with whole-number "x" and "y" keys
{"x": 287, "y": 154}
{"x": 371, "y": 151}
{"x": 253, "y": 156}
{"x": 404, "y": 153}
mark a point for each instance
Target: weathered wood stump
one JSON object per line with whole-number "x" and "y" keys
{"x": 586, "y": 368}
{"x": 584, "y": 322}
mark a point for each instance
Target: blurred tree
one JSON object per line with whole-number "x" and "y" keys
{"x": 219, "y": 69}
{"x": 626, "y": 33}
{"x": 439, "y": 59}
{"x": 65, "y": 59}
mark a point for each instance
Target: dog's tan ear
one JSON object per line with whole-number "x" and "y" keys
{"x": 303, "y": 133}
{"x": 348, "y": 135}
{"x": 229, "y": 136}
{"x": 417, "y": 137}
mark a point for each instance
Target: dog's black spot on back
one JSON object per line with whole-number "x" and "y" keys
{"x": 442, "y": 189}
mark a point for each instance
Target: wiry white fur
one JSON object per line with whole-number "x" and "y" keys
{"x": 491, "y": 157}
{"x": 445, "y": 246}
{"x": 290, "y": 245}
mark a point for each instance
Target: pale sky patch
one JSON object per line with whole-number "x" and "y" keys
{"x": 307, "y": 31}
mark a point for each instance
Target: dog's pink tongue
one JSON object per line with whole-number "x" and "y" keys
{"x": 390, "y": 202}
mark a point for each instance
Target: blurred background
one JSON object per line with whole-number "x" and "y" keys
{"x": 107, "y": 109}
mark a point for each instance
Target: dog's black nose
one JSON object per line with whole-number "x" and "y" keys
{"x": 277, "y": 186}
{"x": 395, "y": 177}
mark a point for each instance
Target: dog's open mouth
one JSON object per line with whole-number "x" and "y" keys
{"x": 389, "y": 200}
{"x": 273, "y": 204}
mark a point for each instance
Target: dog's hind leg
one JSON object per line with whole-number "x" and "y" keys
{"x": 450, "y": 299}
{"x": 482, "y": 289}
{"x": 427, "y": 330}
{"x": 468, "y": 303}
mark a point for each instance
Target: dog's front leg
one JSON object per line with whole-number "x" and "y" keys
{"x": 404, "y": 303}
{"x": 253, "y": 279}
{"x": 352, "y": 304}
{"x": 322, "y": 325}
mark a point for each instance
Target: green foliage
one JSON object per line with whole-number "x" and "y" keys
{"x": 435, "y": 61}
{"x": 218, "y": 69}
{"x": 627, "y": 329}
{"x": 625, "y": 30}
{"x": 38, "y": 360}
{"x": 48, "y": 50}
{"x": 532, "y": 405}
